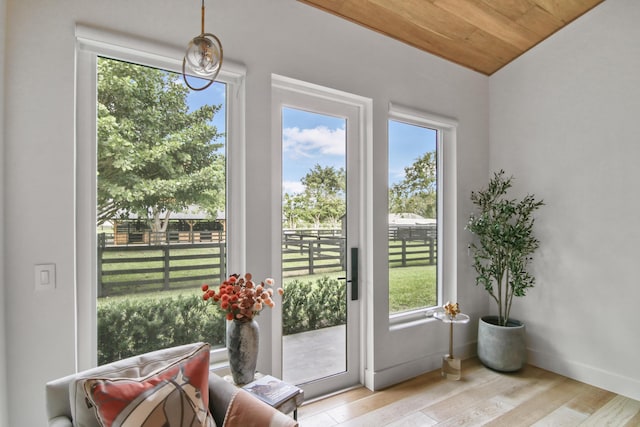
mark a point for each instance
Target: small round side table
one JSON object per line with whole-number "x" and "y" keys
{"x": 451, "y": 366}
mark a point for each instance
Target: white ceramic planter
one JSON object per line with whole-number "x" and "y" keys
{"x": 501, "y": 348}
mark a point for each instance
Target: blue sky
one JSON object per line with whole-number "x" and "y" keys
{"x": 406, "y": 144}
{"x": 310, "y": 138}
{"x": 213, "y": 95}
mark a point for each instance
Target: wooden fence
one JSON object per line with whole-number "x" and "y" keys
{"x": 162, "y": 267}
{"x": 302, "y": 256}
{"x": 145, "y": 267}
{"x": 406, "y": 252}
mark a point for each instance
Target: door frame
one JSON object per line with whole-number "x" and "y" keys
{"x": 285, "y": 92}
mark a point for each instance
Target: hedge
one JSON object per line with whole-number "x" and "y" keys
{"x": 131, "y": 326}
{"x": 308, "y": 306}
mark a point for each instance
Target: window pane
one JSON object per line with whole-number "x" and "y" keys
{"x": 314, "y": 206}
{"x": 412, "y": 217}
{"x": 161, "y": 209}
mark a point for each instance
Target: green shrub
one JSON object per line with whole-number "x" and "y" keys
{"x": 307, "y": 306}
{"x": 131, "y": 326}
{"x": 139, "y": 324}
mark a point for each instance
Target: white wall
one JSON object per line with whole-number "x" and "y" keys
{"x": 3, "y": 363}
{"x": 268, "y": 36}
{"x": 564, "y": 120}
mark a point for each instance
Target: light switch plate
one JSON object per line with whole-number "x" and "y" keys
{"x": 45, "y": 277}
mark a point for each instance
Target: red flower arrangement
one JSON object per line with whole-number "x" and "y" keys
{"x": 240, "y": 298}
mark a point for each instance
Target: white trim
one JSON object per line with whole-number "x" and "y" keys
{"x": 447, "y": 207}
{"x": 91, "y": 43}
{"x": 4, "y": 352}
{"x": 297, "y": 94}
{"x": 404, "y": 113}
{"x": 85, "y": 197}
{"x": 623, "y": 385}
{"x": 320, "y": 92}
{"x": 144, "y": 51}
{"x": 384, "y": 378}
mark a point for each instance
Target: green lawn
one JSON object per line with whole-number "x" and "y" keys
{"x": 410, "y": 287}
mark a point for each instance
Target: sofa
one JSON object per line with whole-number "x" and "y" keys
{"x": 171, "y": 387}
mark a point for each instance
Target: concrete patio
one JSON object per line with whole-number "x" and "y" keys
{"x": 314, "y": 354}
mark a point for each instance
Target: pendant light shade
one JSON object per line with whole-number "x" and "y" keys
{"x": 203, "y": 58}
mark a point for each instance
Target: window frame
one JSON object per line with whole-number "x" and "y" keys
{"x": 90, "y": 44}
{"x": 446, "y": 246}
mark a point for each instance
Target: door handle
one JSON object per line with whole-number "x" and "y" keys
{"x": 354, "y": 275}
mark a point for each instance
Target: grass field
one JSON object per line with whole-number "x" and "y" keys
{"x": 410, "y": 288}
{"x": 143, "y": 269}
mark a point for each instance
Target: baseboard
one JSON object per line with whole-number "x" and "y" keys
{"x": 377, "y": 380}
{"x": 625, "y": 386}
{"x": 578, "y": 371}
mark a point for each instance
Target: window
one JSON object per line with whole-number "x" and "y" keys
{"x": 413, "y": 216}
{"x": 416, "y": 223}
{"x": 152, "y": 176}
{"x": 160, "y": 209}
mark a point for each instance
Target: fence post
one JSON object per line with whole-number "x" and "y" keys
{"x": 223, "y": 273}
{"x": 165, "y": 250}
{"x": 404, "y": 252}
{"x": 431, "y": 251}
{"x": 102, "y": 241}
{"x": 311, "y": 258}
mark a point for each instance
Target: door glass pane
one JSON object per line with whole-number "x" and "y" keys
{"x": 161, "y": 209}
{"x": 413, "y": 193}
{"x": 313, "y": 245}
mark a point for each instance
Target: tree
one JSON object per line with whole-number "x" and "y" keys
{"x": 504, "y": 243}
{"x": 294, "y": 207}
{"x": 416, "y": 193}
{"x": 154, "y": 156}
{"x": 325, "y": 194}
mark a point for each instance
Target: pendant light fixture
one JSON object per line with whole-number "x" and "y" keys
{"x": 203, "y": 58}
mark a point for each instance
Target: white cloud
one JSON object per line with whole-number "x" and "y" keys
{"x": 313, "y": 142}
{"x": 292, "y": 187}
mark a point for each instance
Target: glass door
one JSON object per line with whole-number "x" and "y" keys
{"x": 319, "y": 242}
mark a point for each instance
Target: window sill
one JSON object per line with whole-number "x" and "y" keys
{"x": 410, "y": 319}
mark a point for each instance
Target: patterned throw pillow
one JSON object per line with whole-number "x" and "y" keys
{"x": 175, "y": 396}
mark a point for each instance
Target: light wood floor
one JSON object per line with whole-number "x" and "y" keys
{"x": 531, "y": 397}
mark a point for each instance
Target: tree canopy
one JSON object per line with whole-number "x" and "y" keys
{"x": 416, "y": 193}
{"x": 155, "y": 156}
{"x": 323, "y": 200}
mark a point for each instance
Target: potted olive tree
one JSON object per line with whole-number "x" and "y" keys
{"x": 502, "y": 250}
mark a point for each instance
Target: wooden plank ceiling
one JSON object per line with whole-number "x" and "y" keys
{"x": 484, "y": 35}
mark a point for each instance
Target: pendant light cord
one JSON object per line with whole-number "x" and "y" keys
{"x": 202, "y": 32}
